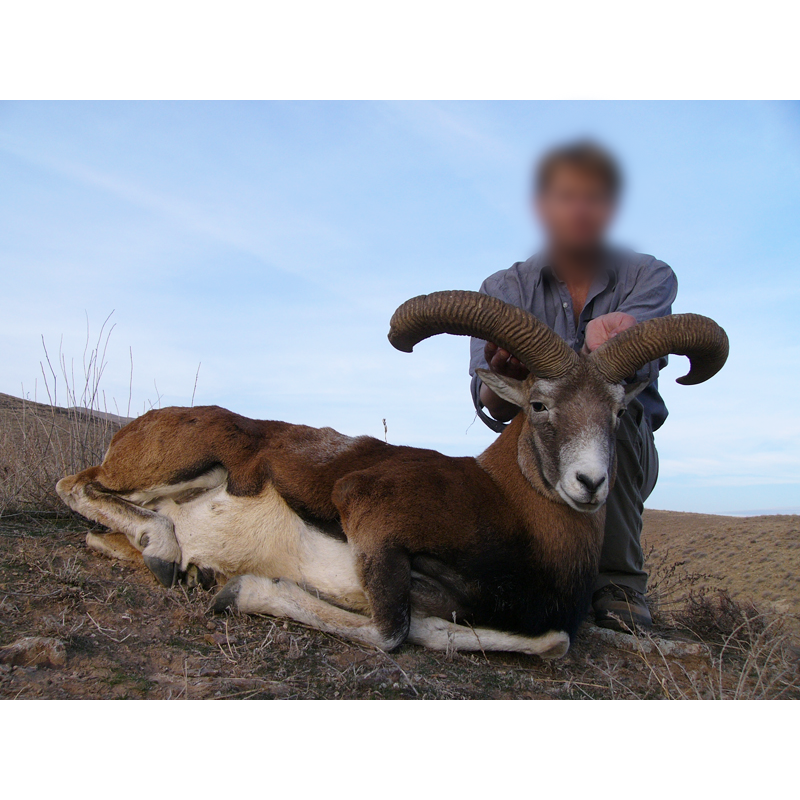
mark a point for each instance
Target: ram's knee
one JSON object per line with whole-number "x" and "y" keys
{"x": 65, "y": 486}
{"x": 73, "y": 485}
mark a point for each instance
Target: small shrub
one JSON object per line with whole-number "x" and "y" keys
{"x": 41, "y": 443}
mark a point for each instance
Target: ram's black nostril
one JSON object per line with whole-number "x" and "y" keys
{"x": 591, "y": 485}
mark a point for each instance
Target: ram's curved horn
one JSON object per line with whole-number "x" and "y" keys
{"x": 542, "y": 351}
{"x": 700, "y": 338}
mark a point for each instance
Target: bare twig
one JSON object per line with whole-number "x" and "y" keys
{"x": 196, "y": 376}
{"x": 105, "y": 632}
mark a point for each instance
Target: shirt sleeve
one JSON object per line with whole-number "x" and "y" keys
{"x": 651, "y": 296}
{"x": 504, "y": 286}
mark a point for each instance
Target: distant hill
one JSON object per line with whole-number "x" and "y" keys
{"x": 10, "y": 403}
{"x": 764, "y": 512}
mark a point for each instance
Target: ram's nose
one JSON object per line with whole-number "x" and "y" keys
{"x": 591, "y": 482}
{"x": 585, "y": 490}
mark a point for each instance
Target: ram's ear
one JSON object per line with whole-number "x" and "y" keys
{"x": 633, "y": 390}
{"x": 510, "y": 389}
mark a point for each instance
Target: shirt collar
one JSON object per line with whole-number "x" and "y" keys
{"x": 606, "y": 278}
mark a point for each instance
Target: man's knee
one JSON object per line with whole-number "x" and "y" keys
{"x": 637, "y": 458}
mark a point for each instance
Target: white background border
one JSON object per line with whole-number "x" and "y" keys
{"x": 431, "y": 49}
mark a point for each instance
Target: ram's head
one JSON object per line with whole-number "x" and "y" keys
{"x": 571, "y": 403}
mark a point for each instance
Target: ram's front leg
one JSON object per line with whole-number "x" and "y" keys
{"x": 365, "y": 502}
{"x": 385, "y": 574}
{"x": 152, "y": 534}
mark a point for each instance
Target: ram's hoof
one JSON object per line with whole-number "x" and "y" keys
{"x": 199, "y": 576}
{"x": 165, "y": 571}
{"x": 228, "y": 597}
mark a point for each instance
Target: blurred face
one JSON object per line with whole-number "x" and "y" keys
{"x": 575, "y": 210}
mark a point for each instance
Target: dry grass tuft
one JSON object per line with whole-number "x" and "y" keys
{"x": 751, "y": 653}
{"x": 42, "y": 442}
{"x": 713, "y": 616}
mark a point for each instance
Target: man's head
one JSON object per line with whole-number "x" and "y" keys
{"x": 575, "y": 190}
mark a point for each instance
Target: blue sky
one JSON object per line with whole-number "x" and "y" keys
{"x": 272, "y": 241}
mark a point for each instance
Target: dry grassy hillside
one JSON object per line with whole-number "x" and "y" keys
{"x": 41, "y": 443}
{"x": 756, "y": 558}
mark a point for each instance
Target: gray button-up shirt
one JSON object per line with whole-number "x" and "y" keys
{"x": 636, "y": 284}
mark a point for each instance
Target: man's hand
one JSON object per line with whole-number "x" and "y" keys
{"x": 502, "y": 362}
{"x": 601, "y": 329}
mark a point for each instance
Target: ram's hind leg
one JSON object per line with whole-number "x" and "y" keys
{"x": 278, "y": 597}
{"x": 150, "y": 533}
{"x": 113, "y": 545}
{"x": 439, "y": 634}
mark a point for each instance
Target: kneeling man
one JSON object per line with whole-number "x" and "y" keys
{"x": 587, "y": 292}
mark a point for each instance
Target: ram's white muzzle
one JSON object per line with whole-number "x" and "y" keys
{"x": 584, "y": 472}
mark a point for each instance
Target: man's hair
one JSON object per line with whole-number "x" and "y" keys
{"x": 584, "y": 155}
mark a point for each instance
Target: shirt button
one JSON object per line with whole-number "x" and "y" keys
{"x": 566, "y": 305}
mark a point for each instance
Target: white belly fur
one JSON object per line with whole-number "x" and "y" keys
{"x": 260, "y": 536}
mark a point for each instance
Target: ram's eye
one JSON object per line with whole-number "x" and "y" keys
{"x": 621, "y": 413}
{"x": 538, "y": 407}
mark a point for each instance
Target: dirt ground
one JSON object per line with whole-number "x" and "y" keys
{"x": 121, "y": 635}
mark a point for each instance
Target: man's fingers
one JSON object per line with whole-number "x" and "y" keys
{"x": 504, "y": 363}
{"x": 622, "y": 326}
{"x": 605, "y": 327}
{"x": 617, "y": 322}
{"x": 499, "y": 360}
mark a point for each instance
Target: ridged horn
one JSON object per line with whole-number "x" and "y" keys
{"x": 541, "y": 350}
{"x": 692, "y": 335}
